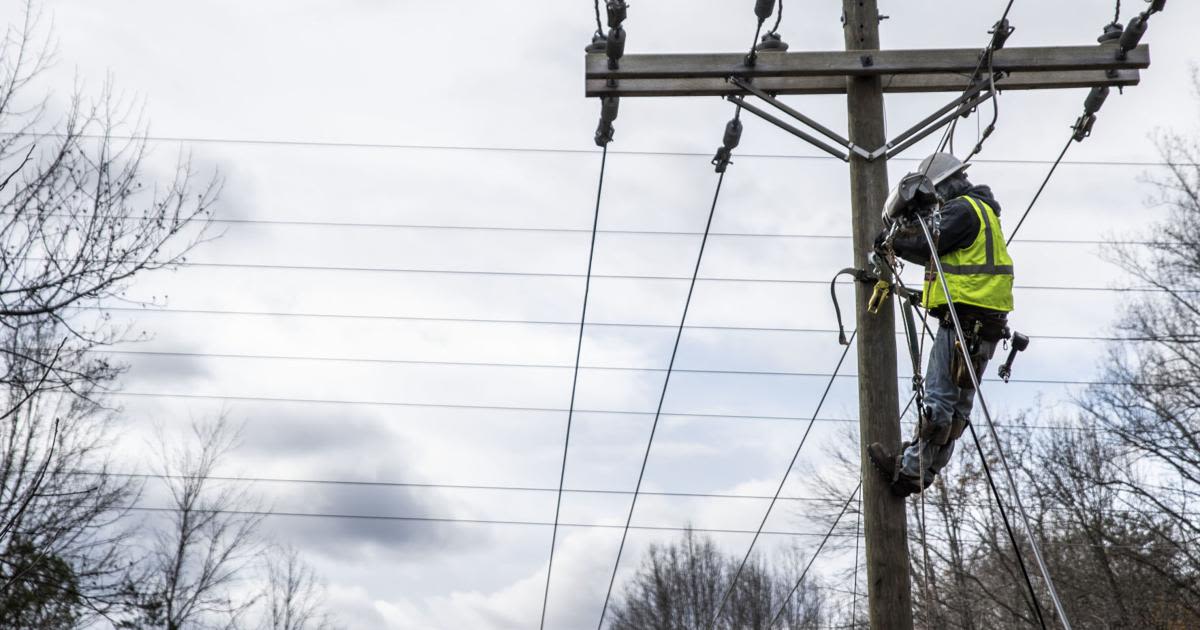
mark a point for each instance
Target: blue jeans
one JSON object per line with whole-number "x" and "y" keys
{"x": 945, "y": 401}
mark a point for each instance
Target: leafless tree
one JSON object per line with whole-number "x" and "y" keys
{"x": 83, "y": 211}
{"x": 680, "y": 585}
{"x": 295, "y": 596}
{"x": 196, "y": 571}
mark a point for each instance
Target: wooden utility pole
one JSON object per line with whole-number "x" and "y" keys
{"x": 890, "y": 599}
{"x": 864, "y": 73}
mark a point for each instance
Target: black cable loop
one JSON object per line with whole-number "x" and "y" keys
{"x": 662, "y": 398}
{"x": 599, "y": 22}
{"x": 779, "y": 19}
{"x": 782, "y": 482}
{"x": 574, "y": 384}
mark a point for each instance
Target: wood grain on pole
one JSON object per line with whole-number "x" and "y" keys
{"x": 888, "y": 584}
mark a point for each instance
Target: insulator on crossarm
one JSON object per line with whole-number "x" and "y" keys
{"x": 618, "y": 10}
{"x": 604, "y": 133}
{"x": 764, "y": 9}
{"x": 615, "y": 47}
{"x": 772, "y": 42}
{"x": 609, "y": 108}
{"x": 733, "y": 136}
{"x": 1133, "y": 33}
{"x": 1112, "y": 33}
{"x": 1000, "y": 34}
{"x": 1095, "y": 99}
{"x": 599, "y": 44}
{"x": 1083, "y": 127}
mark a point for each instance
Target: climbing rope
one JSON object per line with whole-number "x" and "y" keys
{"x": 562, "y": 475}
{"x": 1037, "y": 553}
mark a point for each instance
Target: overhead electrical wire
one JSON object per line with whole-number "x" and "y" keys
{"x": 829, "y": 534}
{"x": 575, "y": 376}
{"x": 635, "y": 277}
{"x": 552, "y": 150}
{"x": 554, "y": 410}
{"x": 554, "y": 366}
{"x": 498, "y": 488}
{"x": 663, "y": 396}
{"x": 588, "y": 231}
{"x": 1041, "y": 189}
{"x": 733, "y": 582}
{"x": 529, "y": 322}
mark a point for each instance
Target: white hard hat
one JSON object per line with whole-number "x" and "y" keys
{"x": 941, "y": 166}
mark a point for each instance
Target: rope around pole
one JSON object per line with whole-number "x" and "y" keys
{"x": 562, "y": 475}
{"x": 662, "y": 398}
{"x": 782, "y": 482}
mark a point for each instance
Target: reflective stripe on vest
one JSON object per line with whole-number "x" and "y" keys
{"x": 980, "y": 274}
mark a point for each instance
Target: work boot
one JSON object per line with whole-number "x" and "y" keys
{"x": 888, "y": 466}
{"x": 884, "y": 461}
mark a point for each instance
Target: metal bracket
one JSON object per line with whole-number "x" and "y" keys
{"x": 787, "y": 109}
{"x": 740, "y": 101}
{"x": 961, "y": 106}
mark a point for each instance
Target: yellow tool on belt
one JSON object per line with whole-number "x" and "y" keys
{"x": 882, "y": 289}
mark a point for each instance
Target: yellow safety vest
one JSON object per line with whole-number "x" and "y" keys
{"x": 980, "y": 275}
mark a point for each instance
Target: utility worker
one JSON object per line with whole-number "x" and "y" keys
{"x": 979, "y": 273}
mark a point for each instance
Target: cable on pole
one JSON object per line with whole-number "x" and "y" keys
{"x": 1014, "y": 488}
{"x": 820, "y": 547}
{"x": 721, "y": 162}
{"x": 1124, "y": 40}
{"x": 716, "y": 615}
{"x": 574, "y": 384}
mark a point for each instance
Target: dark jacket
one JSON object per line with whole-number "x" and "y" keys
{"x": 958, "y": 228}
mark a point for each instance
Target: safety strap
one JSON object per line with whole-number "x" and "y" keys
{"x": 857, "y": 274}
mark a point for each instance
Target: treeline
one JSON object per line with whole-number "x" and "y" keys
{"x": 80, "y": 219}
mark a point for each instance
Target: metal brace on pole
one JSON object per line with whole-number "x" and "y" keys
{"x": 790, "y": 111}
{"x": 740, "y": 101}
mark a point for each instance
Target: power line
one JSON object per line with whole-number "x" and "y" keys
{"x": 782, "y": 482}
{"x": 657, "y": 278}
{"x": 666, "y": 383}
{"x": 620, "y": 412}
{"x": 612, "y": 231}
{"x": 500, "y": 488}
{"x": 544, "y": 150}
{"x": 530, "y": 322}
{"x": 574, "y": 377}
{"x": 530, "y": 523}
{"x": 1042, "y": 188}
{"x": 555, "y": 366}
{"x": 829, "y": 534}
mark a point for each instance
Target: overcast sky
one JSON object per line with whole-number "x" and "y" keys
{"x": 502, "y": 75}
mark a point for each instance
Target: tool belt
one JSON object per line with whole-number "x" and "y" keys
{"x": 978, "y": 327}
